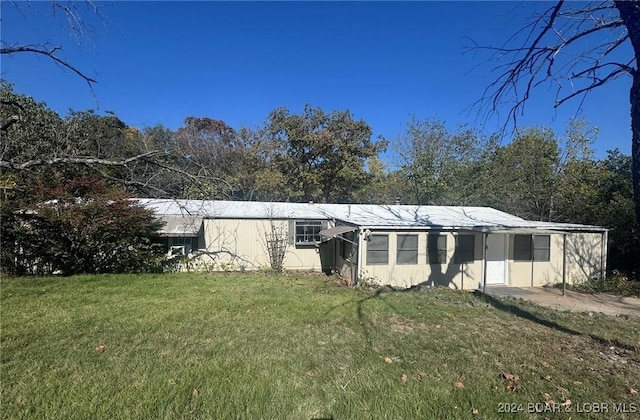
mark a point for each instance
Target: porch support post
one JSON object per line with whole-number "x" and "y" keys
{"x": 603, "y": 255}
{"x": 564, "y": 264}
{"x": 484, "y": 262}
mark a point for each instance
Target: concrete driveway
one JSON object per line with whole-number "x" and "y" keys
{"x": 573, "y": 301}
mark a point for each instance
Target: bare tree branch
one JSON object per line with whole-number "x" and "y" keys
{"x": 74, "y": 161}
{"x": 51, "y": 53}
{"x": 538, "y": 58}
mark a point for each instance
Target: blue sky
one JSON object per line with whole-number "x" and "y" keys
{"x": 159, "y": 62}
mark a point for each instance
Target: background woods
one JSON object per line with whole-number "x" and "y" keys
{"x": 324, "y": 157}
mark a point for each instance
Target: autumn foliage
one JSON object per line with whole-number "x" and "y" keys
{"x": 81, "y": 226}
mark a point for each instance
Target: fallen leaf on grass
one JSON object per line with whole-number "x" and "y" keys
{"x": 511, "y": 386}
{"x": 195, "y": 392}
{"x": 404, "y": 378}
{"x": 547, "y": 399}
{"x": 458, "y": 384}
{"x": 101, "y": 349}
{"x": 633, "y": 391}
{"x": 509, "y": 376}
{"x": 566, "y": 403}
{"x": 310, "y": 373}
{"x": 420, "y": 376}
{"x": 545, "y": 364}
{"x": 475, "y": 411}
{"x": 547, "y": 377}
{"x": 388, "y": 360}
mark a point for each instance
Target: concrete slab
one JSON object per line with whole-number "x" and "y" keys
{"x": 573, "y": 301}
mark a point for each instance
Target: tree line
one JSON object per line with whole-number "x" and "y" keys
{"x": 311, "y": 156}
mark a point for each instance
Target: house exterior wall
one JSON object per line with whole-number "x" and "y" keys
{"x": 584, "y": 261}
{"x": 584, "y": 258}
{"x": 236, "y": 244}
{"x": 450, "y": 274}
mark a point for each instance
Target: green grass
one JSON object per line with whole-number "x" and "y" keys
{"x": 299, "y": 347}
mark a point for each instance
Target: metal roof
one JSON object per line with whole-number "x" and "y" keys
{"x": 371, "y": 216}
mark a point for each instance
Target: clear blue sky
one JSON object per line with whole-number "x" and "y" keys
{"x": 159, "y": 62}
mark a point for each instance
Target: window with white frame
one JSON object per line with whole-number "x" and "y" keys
{"x": 307, "y": 232}
{"x": 407, "y": 251}
{"x": 182, "y": 245}
{"x": 436, "y": 248}
{"x": 378, "y": 250}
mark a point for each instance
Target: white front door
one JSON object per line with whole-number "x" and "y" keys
{"x": 496, "y": 258}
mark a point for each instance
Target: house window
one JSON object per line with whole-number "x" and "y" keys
{"x": 522, "y": 248}
{"x": 541, "y": 248}
{"x": 308, "y": 231}
{"x": 436, "y": 249}
{"x": 532, "y": 247}
{"x": 465, "y": 249}
{"x": 407, "y": 252}
{"x": 182, "y": 245}
{"x": 378, "y": 249}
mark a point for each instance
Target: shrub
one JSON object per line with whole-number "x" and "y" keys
{"x": 88, "y": 227}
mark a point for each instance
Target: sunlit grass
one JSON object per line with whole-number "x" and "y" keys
{"x": 294, "y": 346}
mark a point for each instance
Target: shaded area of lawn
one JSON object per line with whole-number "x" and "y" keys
{"x": 261, "y": 346}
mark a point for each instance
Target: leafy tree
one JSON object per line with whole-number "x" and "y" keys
{"x": 82, "y": 226}
{"x": 574, "y": 47}
{"x": 439, "y": 167}
{"x": 323, "y": 157}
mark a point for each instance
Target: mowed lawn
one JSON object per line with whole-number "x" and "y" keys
{"x": 297, "y": 346}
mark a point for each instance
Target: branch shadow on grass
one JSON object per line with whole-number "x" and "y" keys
{"x": 518, "y": 311}
{"x": 363, "y": 320}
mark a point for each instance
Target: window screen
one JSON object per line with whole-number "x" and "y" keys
{"x": 407, "y": 252}
{"x": 465, "y": 247}
{"x": 522, "y": 248}
{"x": 436, "y": 249}
{"x": 541, "y": 248}
{"x": 378, "y": 249}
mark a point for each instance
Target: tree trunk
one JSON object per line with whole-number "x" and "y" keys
{"x": 630, "y": 14}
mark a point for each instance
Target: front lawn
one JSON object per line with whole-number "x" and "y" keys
{"x": 217, "y": 346}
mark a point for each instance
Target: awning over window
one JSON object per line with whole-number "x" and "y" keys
{"x": 335, "y": 231}
{"x": 181, "y": 226}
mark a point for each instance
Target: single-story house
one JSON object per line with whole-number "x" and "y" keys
{"x": 396, "y": 245}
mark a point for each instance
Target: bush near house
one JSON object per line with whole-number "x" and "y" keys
{"x": 83, "y": 226}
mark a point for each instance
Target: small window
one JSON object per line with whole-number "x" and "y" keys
{"x": 182, "y": 245}
{"x": 465, "y": 249}
{"x": 407, "y": 252}
{"x": 308, "y": 231}
{"x": 378, "y": 249}
{"x": 541, "y": 248}
{"x": 436, "y": 249}
{"x": 522, "y": 248}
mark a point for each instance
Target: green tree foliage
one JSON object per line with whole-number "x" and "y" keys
{"x": 58, "y": 212}
{"x": 85, "y": 226}
{"x": 524, "y": 174}
{"x": 323, "y": 157}
{"x": 440, "y": 167}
